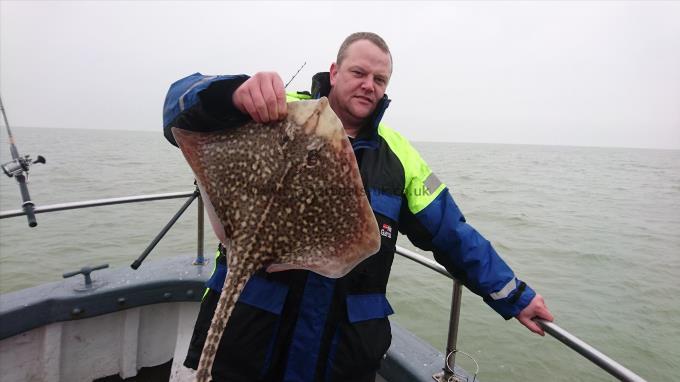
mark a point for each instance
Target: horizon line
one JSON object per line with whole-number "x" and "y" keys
{"x": 410, "y": 140}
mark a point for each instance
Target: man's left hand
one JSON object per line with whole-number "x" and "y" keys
{"x": 535, "y": 309}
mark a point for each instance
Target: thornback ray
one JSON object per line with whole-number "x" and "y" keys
{"x": 284, "y": 195}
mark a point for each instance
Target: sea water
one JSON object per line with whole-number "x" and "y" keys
{"x": 596, "y": 231}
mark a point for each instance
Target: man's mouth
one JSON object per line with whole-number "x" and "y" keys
{"x": 365, "y": 99}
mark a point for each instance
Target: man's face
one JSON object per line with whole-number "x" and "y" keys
{"x": 359, "y": 82}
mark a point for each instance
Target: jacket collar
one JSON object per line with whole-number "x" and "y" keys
{"x": 321, "y": 87}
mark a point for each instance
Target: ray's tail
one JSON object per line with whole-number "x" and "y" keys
{"x": 237, "y": 277}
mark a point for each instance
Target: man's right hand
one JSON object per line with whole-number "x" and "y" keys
{"x": 263, "y": 97}
{"x": 535, "y": 309}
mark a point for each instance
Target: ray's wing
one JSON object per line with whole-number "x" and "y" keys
{"x": 290, "y": 191}
{"x": 323, "y": 220}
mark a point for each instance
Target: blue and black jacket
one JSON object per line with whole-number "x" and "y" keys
{"x": 299, "y": 326}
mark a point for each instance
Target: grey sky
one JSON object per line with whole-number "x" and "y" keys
{"x": 564, "y": 73}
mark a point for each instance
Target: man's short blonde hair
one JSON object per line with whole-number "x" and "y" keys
{"x": 370, "y": 36}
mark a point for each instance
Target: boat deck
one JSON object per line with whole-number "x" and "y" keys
{"x": 136, "y": 326}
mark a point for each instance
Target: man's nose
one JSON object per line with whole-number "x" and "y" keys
{"x": 367, "y": 84}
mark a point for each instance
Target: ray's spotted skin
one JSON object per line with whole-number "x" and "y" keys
{"x": 286, "y": 195}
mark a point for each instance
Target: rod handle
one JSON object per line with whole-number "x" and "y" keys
{"x": 30, "y": 214}
{"x": 27, "y": 204}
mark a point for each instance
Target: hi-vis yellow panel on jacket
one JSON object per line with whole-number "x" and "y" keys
{"x": 295, "y": 96}
{"x": 421, "y": 185}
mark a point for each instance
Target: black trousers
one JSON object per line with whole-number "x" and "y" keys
{"x": 253, "y": 348}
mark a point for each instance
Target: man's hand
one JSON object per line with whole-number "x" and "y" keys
{"x": 535, "y": 309}
{"x": 263, "y": 97}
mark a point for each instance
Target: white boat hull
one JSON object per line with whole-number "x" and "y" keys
{"x": 116, "y": 343}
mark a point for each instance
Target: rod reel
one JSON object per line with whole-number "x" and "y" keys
{"x": 17, "y": 167}
{"x": 21, "y": 164}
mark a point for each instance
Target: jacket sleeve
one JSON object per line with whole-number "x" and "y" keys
{"x": 202, "y": 103}
{"x": 431, "y": 220}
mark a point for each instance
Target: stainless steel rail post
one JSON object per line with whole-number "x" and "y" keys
{"x": 456, "y": 297}
{"x": 200, "y": 259}
{"x": 453, "y": 329}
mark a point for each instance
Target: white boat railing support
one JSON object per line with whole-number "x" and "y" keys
{"x": 607, "y": 364}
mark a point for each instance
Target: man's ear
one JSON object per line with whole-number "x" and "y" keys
{"x": 333, "y": 73}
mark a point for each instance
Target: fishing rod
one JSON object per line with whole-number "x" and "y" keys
{"x": 295, "y": 75}
{"x": 18, "y": 168}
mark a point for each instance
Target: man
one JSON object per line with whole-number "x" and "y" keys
{"x": 300, "y": 326}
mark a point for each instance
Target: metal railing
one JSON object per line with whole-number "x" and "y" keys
{"x": 134, "y": 199}
{"x": 609, "y": 365}
{"x": 97, "y": 203}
